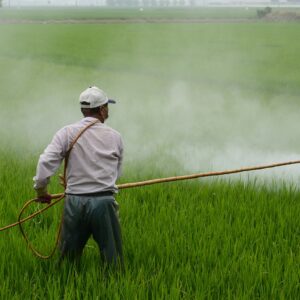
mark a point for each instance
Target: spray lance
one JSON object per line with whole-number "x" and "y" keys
{"x": 58, "y": 197}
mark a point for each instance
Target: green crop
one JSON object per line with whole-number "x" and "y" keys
{"x": 181, "y": 240}
{"x": 184, "y": 91}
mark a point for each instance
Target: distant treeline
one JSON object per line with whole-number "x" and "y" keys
{"x": 153, "y": 3}
{"x": 263, "y": 12}
{"x": 147, "y": 3}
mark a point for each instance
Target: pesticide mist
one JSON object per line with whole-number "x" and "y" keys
{"x": 188, "y": 101}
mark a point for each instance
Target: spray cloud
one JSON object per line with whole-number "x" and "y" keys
{"x": 174, "y": 109}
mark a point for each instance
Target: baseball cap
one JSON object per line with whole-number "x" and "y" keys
{"x": 93, "y": 97}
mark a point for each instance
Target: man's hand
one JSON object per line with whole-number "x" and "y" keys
{"x": 44, "y": 199}
{"x": 43, "y": 196}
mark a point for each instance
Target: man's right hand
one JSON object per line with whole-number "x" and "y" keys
{"x": 44, "y": 199}
{"x": 43, "y": 196}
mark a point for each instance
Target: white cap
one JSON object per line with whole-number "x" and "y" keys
{"x": 93, "y": 97}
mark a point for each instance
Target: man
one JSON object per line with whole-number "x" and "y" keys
{"x": 93, "y": 166}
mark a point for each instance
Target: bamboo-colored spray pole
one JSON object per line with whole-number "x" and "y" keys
{"x": 208, "y": 174}
{"x": 198, "y": 175}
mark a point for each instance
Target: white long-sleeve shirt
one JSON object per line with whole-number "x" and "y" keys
{"x": 94, "y": 163}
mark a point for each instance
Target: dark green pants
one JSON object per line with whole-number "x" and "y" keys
{"x": 91, "y": 215}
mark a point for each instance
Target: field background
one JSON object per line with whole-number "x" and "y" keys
{"x": 88, "y": 13}
{"x": 191, "y": 98}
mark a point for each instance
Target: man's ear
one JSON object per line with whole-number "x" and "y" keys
{"x": 100, "y": 112}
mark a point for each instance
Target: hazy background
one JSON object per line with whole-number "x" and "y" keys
{"x": 191, "y": 97}
{"x": 145, "y": 3}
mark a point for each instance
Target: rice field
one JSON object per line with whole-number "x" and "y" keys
{"x": 191, "y": 98}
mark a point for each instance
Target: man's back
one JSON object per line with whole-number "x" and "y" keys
{"x": 95, "y": 160}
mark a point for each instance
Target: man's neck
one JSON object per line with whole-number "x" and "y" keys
{"x": 100, "y": 118}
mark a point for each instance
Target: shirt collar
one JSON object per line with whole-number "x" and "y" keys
{"x": 87, "y": 120}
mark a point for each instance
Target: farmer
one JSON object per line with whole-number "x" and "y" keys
{"x": 93, "y": 166}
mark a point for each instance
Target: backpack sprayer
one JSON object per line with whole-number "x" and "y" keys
{"x": 58, "y": 197}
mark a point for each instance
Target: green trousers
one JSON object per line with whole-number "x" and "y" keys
{"x": 84, "y": 216}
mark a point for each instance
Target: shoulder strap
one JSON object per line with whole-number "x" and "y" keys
{"x": 63, "y": 178}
